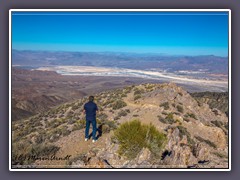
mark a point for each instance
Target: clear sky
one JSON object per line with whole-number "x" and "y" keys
{"x": 172, "y": 33}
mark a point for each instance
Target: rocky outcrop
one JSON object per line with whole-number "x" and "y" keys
{"x": 197, "y": 136}
{"x": 216, "y": 100}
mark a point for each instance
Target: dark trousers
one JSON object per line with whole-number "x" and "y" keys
{"x": 94, "y": 127}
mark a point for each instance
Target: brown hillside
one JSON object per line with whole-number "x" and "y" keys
{"x": 196, "y": 137}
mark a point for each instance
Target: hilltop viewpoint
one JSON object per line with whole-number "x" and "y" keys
{"x": 139, "y": 126}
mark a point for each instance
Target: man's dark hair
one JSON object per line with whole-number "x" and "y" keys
{"x": 91, "y": 98}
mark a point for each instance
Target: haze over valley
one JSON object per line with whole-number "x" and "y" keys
{"x": 207, "y": 71}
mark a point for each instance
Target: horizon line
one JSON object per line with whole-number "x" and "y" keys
{"x": 155, "y": 53}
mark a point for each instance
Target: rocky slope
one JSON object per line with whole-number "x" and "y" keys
{"x": 197, "y": 136}
{"x": 214, "y": 100}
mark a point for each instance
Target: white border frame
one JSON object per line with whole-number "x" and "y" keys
{"x": 118, "y": 10}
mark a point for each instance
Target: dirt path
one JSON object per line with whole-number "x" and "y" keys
{"x": 72, "y": 145}
{"x": 132, "y": 104}
{"x": 147, "y": 112}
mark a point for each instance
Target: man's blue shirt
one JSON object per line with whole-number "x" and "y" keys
{"x": 90, "y": 108}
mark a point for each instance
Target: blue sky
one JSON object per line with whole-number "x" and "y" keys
{"x": 172, "y": 33}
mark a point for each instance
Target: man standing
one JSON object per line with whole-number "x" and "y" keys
{"x": 90, "y": 109}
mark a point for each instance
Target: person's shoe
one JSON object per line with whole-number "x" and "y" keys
{"x": 86, "y": 139}
{"x": 94, "y": 141}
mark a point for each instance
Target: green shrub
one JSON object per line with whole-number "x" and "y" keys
{"x": 102, "y": 116}
{"x": 111, "y": 124}
{"x": 133, "y": 136}
{"x": 53, "y": 123}
{"x": 149, "y": 87}
{"x": 218, "y": 123}
{"x": 76, "y": 106}
{"x": 21, "y": 132}
{"x": 14, "y": 127}
{"x": 44, "y": 150}
{"x": 71, "y": 121}
{"x": 79, "y": 125}
{"x": 122, "y": 113}
{"x": 24, "y": 153}
{"x": 40, "y": 138}
{"x": 226, "y": 126}
{"x": 180, "y": 108}
{"x": 186, "y": 119}
{"x": 191, "y": 115}
{"x": 108, "y": 102}
{"x": 177, "y": 113}
{"x": 220, "y": 155}
{"x": 20, "y": 149}
{"x": 178, "y": 121}
{"x": 165, "y": 105}
{"x": 56, "y": 124}
{"x": 138, "y": 91}
{"x": 183, "y": 131}
{"x": 127, "y": 110}
{"x": 165, "y": 113}
{"x": 65, "y": 131}
{"x": 119, "y": 104}
{"x": 123, "y": 95}
{"x": 169, "y": 118}
{"x": 105, "y": 128}
{"x": 116, "y": 118}
{"x": 54, "y": 134}
{"x": 138, "y": 96}
{"x": 206, "y": 141}
{"x": 127, "y": 89}
{"x": 37, "y": 123}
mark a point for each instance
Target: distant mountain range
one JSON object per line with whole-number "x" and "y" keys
{"x": 159, "y": 62}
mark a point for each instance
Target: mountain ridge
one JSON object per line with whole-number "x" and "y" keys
{"x": 197, "y": 136}
{"x": 209, "y": 63}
